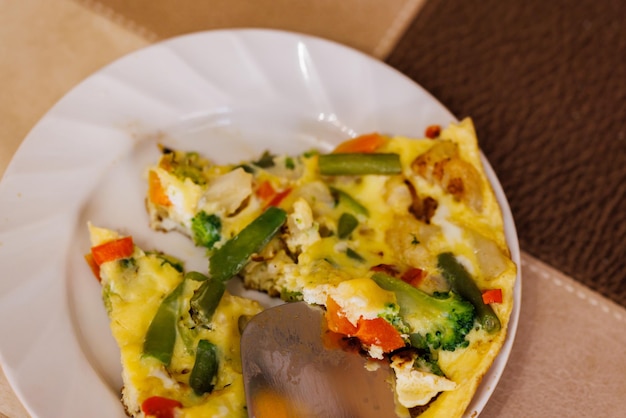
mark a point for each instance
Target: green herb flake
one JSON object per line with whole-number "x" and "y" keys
{"x": 266, "y": 160}
{"x": 354, "y": 255}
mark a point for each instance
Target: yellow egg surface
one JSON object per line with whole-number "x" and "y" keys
{"x": 133, "y": 289}
{"x": 421, "y": 211}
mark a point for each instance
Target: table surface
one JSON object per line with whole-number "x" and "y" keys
{"x": 545, "y": 83}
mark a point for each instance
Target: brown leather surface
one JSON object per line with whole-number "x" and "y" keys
{"x": 545, "y": 83}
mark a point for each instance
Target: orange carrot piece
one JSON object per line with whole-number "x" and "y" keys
{"x": 492, "y": 296}
{"x": 379, "y": 332}
{"x": 337, "y": 320}
{"x": 113, "y": 250}
{"x": 364, "y": 143}
{"x": 375, "y": 331}
{"x": 278, "y": 197}
{"x": 265, "y": 190}
{"x": 156, "y": 193}
{"x": 92, "y": 265}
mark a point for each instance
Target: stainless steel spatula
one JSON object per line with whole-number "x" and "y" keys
{"x": 287, "y": 367}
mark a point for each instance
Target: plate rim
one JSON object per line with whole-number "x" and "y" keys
{"x": 493, "y": 374}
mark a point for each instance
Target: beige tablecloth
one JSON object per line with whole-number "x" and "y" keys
{"x": 569, "y": 358}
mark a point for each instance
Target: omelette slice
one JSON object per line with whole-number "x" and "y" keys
{"x": 400, "y": 240}
{"x": 180, "y": 354}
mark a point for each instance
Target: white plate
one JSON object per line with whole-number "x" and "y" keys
{"x": 230, "y": 94}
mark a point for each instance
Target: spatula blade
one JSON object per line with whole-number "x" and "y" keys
{"x": 286, "y": 366}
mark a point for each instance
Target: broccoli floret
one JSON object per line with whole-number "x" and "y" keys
{"x": 206, "y": 229}
{"x": 440, "y": 322}
{"x": 427, "y": 363}
{"x": 425, "y": 359}
{"x": 391, "y": 314}
{"x": 290, "y": 163}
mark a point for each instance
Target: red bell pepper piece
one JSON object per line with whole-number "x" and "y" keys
{"x": 275, "y": 201}
{"x": 433, "y": 131}
{"x": 492, "y": 296}
{"x": 95, "y": 269}
{"x": 266, "y": 192}
{"x": 113, "y": 250}
{"x": 375, "y": 331}
{"x": 413, "y": 276}
{"x": 160, "y": 407}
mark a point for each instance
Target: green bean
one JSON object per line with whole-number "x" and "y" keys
{"x": 347, "y": 201}
{"x": 161, "y": 336}
{"x": 359, "y": 164}
{"x": 463, "y": 284}
{"x": 195, "y": 276}
{"x": 205, "y": 300}
{"x": 204, "y": 373}
{"x": 230, "y": 258}
{"x": 347, "y": 223}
